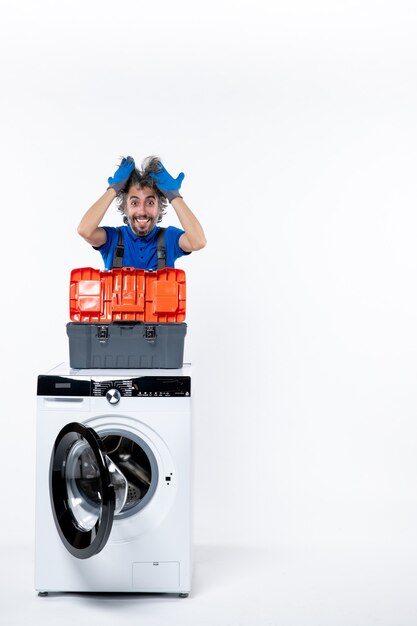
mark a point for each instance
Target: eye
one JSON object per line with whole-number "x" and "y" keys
{"x": 150, "y": 202}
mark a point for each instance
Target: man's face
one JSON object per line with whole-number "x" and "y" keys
{"x": 142, "y": 210}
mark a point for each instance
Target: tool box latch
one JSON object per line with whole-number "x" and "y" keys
{"x": 150, "y": 333}
{"x": 103, "y": 333}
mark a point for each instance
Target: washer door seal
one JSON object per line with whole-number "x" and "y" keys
{"x": 81, "y": 491}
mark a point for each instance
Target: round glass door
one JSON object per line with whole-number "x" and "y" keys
{"x": 87, "y": 489}
{"x": 136, "y": 462}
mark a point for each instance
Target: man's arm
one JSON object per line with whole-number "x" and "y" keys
{"x": 193, "y": 237}
{"x": 89, "y": 226}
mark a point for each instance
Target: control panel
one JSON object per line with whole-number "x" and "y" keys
{"x": 114, "y": 389}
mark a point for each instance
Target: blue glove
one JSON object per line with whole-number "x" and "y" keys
{"x": 168, "y": 185}
{"x": 121, "y": 175}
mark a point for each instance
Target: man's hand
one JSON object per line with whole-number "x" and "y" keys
{"x": 167, "y": 184}
{"x": 121, "y": 175}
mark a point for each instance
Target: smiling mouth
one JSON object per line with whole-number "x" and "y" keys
{"x": 141, "y": 221}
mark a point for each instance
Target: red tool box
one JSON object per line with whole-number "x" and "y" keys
{"x": 127, "y": 318}
{"x": 127, "y": 294}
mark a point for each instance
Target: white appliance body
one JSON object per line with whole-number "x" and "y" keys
{"x": 142, "y": 419}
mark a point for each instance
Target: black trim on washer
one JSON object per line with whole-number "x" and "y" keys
{"x": 80, "y": 543}
{"x": 133, "y": 386}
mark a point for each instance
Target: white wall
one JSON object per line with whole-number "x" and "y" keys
{"x": 295, "y": 124}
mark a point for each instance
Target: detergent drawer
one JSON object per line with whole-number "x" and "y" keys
{"x": 126, "y": 345}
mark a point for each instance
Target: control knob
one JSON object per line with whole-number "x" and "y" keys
{"x": 113, "y": 396}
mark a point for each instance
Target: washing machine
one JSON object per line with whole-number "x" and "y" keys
{"x": 113, "y": 481}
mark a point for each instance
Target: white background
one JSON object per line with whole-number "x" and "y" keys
{"x": 295, "y": 125}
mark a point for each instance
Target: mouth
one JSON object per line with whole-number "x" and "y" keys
{"x": 141, "y": 221}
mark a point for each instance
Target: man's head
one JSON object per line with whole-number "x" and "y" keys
{"x": 142, "y": 204}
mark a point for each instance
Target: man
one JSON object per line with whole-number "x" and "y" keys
{"x": 142, "y": 197}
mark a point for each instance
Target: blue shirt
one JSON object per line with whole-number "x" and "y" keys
{"x": 140, "y": 252}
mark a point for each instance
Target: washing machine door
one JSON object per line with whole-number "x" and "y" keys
{"x": 82, "y": 493}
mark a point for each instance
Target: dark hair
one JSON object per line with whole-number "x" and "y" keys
{"x": 141, "y": 178}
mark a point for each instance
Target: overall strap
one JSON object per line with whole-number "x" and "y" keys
{"x": 119, "y": 250}
{"x": 160, "y": 244}
{"x": 160, "y": 249}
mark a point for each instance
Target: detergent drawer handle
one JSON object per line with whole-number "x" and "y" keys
{"x": 59, "y": 400}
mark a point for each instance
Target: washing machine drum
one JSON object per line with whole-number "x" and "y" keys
{"x": 87, "y": 490}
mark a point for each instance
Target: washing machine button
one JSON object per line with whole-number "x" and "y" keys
{"x": 113, "y": 396}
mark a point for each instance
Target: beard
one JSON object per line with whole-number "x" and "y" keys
{"x": 142, "y": 228}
